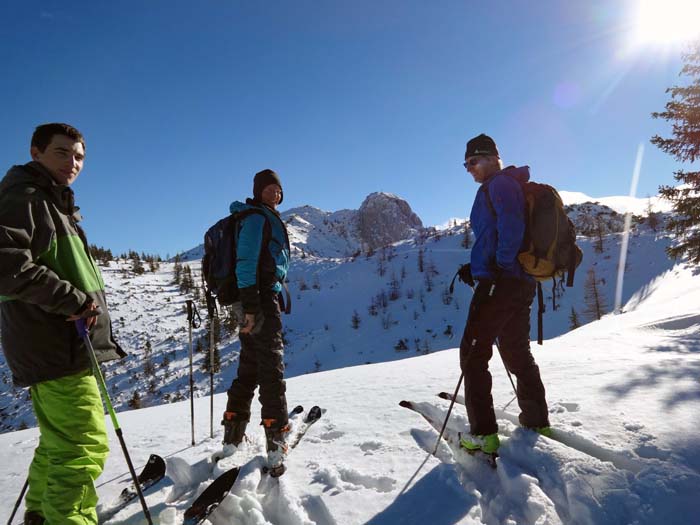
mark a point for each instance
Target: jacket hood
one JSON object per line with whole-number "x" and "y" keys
{"x": 238, "y": 206}
{"x": 521, "y": 173}
{"x": 36, "y": 175}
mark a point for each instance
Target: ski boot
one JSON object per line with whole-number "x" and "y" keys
{"x": 543, "y": 431}
{"x": 32, "y": 517}
{"x": 486, "y": 445}
{"x": 234, "y": 433}
{"x": 277, "y": 447}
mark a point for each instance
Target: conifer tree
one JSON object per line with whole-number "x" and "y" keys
{"x": 137, "y": 266}
{"x": 593, "y": 297}
{"x": 683, "y": 111}
{"x": 652, "y": 217}
{"x": 466, "y": 240}
{"x": 177, "y": 270}
{"x": 599, "y": 233}
{"x": 149, "y": 369}
{"x": 574, "y": 322}
{"x": 135, "y": 401}
{"x": 355, "y": 320}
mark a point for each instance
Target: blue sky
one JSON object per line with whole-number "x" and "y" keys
{"x": 182, "y": 102}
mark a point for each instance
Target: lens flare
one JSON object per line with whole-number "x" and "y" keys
{"x": 666, "y": 22}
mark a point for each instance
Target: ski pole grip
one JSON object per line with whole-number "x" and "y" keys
{"x": 81, "y": 326}
{"x": 189, "y": 310}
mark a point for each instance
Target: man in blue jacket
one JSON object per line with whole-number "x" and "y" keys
{"x": 261, "y": 267}
{"x": 500, "y": 307}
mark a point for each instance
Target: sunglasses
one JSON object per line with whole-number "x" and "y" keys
{"x": 473, "y": 161}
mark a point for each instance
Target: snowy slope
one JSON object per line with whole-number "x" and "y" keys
{"x": 623, "y": 393}
{"x": 413, "y": 314}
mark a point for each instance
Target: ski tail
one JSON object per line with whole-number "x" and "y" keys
{"x": 152, "y": 473}
{"x": 211, "y": 497}
{"x": 313, "y": 415}
{"x": 154, "y": 470}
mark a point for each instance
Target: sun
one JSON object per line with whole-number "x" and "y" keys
{"x": 666, "y": 23}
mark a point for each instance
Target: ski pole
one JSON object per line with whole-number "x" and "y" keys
{"x": 192, "y": 323}
{"x": 510, "y": 377}
{"x": 211, "y": 378}
{"x": 81, "y": 325}
{"x": 19, "y": 501}
{"x": 211, "y": 308}
{"x": 449, "y": 411}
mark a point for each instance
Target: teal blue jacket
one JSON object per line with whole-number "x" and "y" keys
{"x": 262, "y": 253}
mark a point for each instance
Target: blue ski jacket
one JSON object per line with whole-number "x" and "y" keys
{"x": 499, "y": 228}
{"x": 262, "y": 253}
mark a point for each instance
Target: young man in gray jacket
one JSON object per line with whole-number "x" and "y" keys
{"x": 48, "y": 280}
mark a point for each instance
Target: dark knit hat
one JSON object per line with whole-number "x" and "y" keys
{"x": 262, "y": 180}
{"x": 481, "y": 145}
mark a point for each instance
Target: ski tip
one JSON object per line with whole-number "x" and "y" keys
{"x": 445, "y": 395}
{"x": 297, "y": 410}
{"x": 314, "y": 414}
{"x": 405, "y": 404}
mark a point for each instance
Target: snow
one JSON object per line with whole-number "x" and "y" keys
{"x": 621, "y": 204}
{"x": 623, "y": 394}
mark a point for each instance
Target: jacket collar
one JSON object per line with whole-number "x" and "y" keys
{"x": 259, "y": 204}
{"x": 61, "y": 195}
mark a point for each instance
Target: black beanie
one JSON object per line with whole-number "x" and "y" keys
{"x": 263, "y": 179}
{"x": 481, "y": 145}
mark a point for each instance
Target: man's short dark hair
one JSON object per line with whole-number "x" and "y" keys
{"x": 43, "y": 134}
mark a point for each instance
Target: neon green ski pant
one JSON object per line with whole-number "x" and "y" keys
{"x": 72, "y": 450}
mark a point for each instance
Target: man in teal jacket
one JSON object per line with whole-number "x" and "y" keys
{"x": 261, "y": 266}
{"x": 48, "y": 280}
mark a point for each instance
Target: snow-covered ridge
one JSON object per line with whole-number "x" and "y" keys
{"x": 621, "y": 204}
{"x": 382, "y": 219}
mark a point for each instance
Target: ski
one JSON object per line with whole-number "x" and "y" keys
{"x": 152, "y": 473}
{"x": 452, "y": 438}
{"x": 297, "y": 434}
{"x": 217, "y": 490}
{"x": 209, "y": 500}
{"x": 572, "y": 440}
{"x": 314, "y": 415}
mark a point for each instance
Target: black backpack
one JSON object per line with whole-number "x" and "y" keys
{"x": 219, "y": 261}
{"x": 549, "y": 247}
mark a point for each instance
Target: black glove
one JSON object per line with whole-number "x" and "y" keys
{"x": 465, "y": 274}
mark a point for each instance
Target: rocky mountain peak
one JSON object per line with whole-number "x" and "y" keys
{"x": 384, "y": 218}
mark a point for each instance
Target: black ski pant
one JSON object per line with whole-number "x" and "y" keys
{"x": 500, "y": 310}
{"x": 261, "y": 363}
